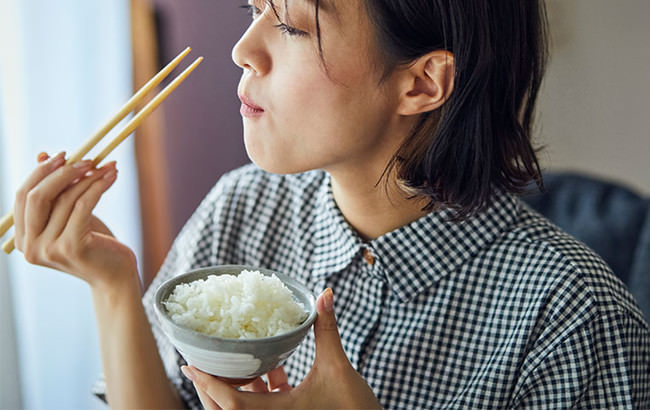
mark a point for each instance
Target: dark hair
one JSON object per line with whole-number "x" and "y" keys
{"x": 480, "y": 139}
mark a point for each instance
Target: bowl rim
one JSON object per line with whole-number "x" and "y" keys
{"x": 162, "y": 314}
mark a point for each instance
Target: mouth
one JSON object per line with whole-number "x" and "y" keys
{"x": 248, "y": 108}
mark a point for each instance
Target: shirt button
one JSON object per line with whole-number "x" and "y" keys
{"x": 367, "y": 255}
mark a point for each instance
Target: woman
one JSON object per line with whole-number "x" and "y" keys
{"x": 388, "y": 139}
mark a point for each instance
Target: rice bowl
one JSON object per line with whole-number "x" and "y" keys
{"x": 234, "y": 358}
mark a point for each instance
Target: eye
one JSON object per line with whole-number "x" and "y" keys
{"x": 252, "y": 11}
{"x": 290, "y": 31}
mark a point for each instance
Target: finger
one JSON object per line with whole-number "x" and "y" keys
{"x": 86, "y": 203}
{"x": 328, "y": 341}
{"x": 44, "y": 168}
{"x": 67, "y": 201}
{"x": 278, "y": 380}
{"x": 257, "y": 385}
{"x": 211, "y": 388}
{"x": 41, "y": 171}
{"x": 207, "y": 402}
{"x": 227, "y": 397}
{"x": 237, "y": 382}
{"x": 40, "y": 198}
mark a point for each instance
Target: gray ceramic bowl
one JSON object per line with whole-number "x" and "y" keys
{"x": 237, "y": 359}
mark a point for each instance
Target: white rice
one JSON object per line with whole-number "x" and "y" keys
{"x": 249, "y": 305}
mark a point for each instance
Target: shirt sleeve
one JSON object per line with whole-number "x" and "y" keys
{"x": 603, "y": 364}
{"x": 194, "y": 247}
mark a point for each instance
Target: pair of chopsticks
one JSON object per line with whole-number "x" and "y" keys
{"x": 8, "y": 220}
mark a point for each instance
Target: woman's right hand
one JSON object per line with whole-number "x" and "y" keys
{"x": 55, "y": 226}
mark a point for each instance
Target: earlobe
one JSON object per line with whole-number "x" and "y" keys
{"x": 427, "y": 83}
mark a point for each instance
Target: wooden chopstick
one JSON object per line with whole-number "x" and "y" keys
{"x": 128, "y": 107}
{"x": 7, "y": 220}
{"x": 146, "y": 110}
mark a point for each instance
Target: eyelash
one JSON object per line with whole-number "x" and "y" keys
{"x": 251, "y": 10}
{"x": 254, "y": 12}
{"x": 290, "y": 31}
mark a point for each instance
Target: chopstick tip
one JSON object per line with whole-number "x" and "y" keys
{"x": 196, "y": 62}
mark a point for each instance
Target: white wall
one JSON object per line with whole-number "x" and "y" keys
{"x": 10, "y": 396}
{"x": 65, "y": 68}
{"x": 595, "y": 107}
{"x": 10, "y": 390}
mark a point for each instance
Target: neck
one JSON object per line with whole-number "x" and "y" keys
{"x": 374, "y": 209}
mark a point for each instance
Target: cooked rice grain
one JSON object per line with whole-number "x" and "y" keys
{"x": 249, "y": 305}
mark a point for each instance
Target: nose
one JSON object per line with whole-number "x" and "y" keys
{"x": 250, "y": 52}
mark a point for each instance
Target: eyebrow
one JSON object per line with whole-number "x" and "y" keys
{"x": 326, "y": 6}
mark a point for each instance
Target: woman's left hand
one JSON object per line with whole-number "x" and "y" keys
{"x": 332, "y": 382}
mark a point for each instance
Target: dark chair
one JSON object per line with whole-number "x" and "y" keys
{"x": 612, "y": 220}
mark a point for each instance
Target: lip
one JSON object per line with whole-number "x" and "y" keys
{"x": 249, "y": 108}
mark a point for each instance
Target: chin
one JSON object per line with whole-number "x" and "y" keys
{"x": 279, "y": 167}
{"x": 275, "y": 160}
{"x": 276, "y": 164}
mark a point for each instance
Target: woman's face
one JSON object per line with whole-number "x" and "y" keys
{"x": 299, "y": 115}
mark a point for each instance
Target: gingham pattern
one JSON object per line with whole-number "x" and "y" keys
{"x": 500, "y": 311}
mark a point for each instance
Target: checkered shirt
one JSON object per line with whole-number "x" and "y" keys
{"x": 502, "y": 310}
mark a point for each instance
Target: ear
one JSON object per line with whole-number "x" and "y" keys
{"x": 427, "y": 83}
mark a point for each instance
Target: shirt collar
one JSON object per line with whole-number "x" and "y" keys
{"x": 414, "y": 257}
{"x": 336, "y": 243}
{"x": 420, "y": 254}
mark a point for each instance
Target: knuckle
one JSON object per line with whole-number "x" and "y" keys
{"x": 82, "y": 204}
{"x": 18, "y": 243}
{"x": 66, "y": 249}
{"x": 62, "y": 199}
{"x": 35, "y": 197}
{"x": 21, "y": 193}
{"x": 57, "y": 253}
{"x": 50, "y": 253}
{"x": 31, "y": 255}
{"x": 329, "y": 325}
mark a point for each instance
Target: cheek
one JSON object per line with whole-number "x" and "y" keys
{"x": 306, "y": 113}
{"x": 301, "y": 91}
{"x": 308, "y": 99}
{"x": 314, "y": 121}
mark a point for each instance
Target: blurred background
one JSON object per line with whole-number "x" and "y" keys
{"x": 67, "y": 66}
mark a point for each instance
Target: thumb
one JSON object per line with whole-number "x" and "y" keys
{"x": 326, "y": 333}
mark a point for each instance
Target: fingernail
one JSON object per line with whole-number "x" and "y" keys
{"x": 110, "y": 165}
{"x": 111, "y": 174}
{"x": 328, "y": 299}
{"x": 42, "y": 156}
{"x": 187, "y": 372}
{"x": 83, "y": 164}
